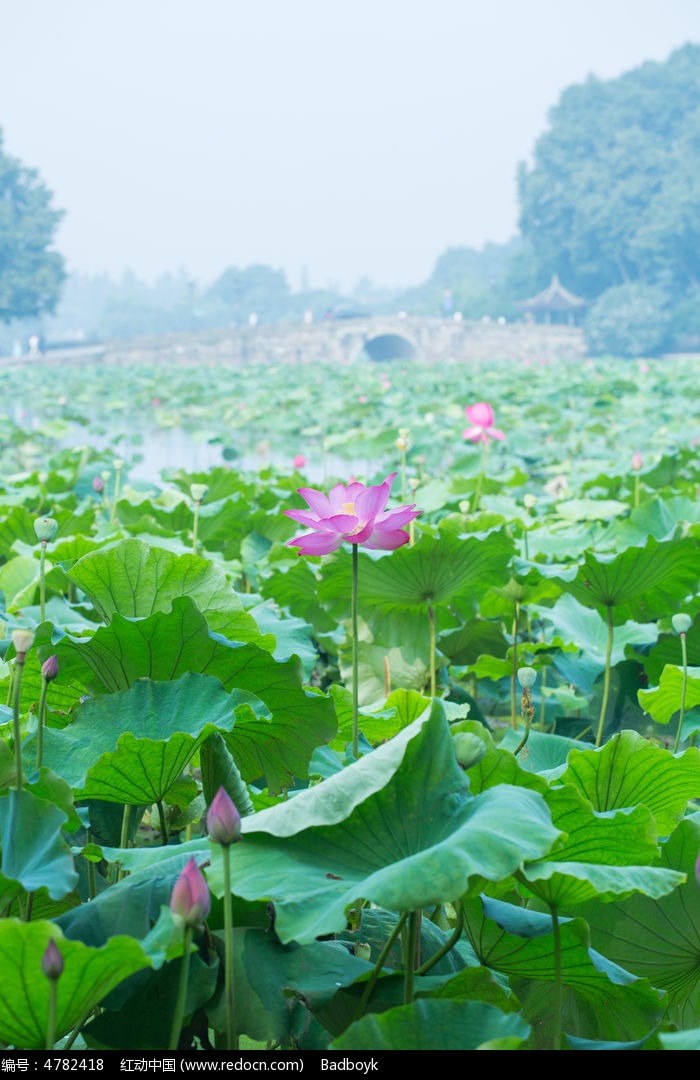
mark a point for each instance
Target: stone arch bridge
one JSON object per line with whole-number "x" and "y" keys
{"x": 377, "y": 338}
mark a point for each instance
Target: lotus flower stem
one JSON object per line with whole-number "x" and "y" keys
{"x": 42, "y": 580}
{"x": 447, "y": 946}
{"x": 51, "y": 1015}
{"x": 16, "y": 728}
{"x": 181, "y": 991}
{"x": 410, "y": 941}
{"x": 558, "y": 985}
{"x": 355, "y": 657}
{"x": 124, "y": 838}
{"x": 606, "y": 683}
{"x": 40, "y": 723}
{"x": 371, "y": 982}
{"x": 117, "y": 480}
{"x": 387, "y": 677}
{"x": 231, "y": 1033}
{"x": 684, "y": 686}
{"x": 431, "y": 624}
{"x": 165, "y": 836}
{"x": 514, "y": 671}
{"x": 480, "y": 478}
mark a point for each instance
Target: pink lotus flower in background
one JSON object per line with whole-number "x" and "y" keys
{"x": 299, "y": 461}
{"x": 480, "y": 416}
{"x": 190, "y": 897}
{"x": 352, "y": 513}
{"x": 637, "y": 461}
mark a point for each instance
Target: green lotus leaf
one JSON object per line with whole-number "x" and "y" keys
{"x": 296, "y": 588}
{"x": 34, "y": 852}
{"x": 19, "y": 581}
{"x": 165, "y": 646}
{"x": 435, "y": 1025}
{"x": 601, "y": 1000}
{"x": 641, "y": 583}
{"x": 668, "y": 651}
{"x": 586, "y": 627}
{"x": 292, "y": 636}
{"x": 629, "y": 770}
{"x": 656, "y": 937}
{"x": 664, "y": 701}
{"x": 591, "y": 509}
{"x": 135, "y": 580}
{"x": 88, "y": 976}
{"x": 399, "y": 710}
{"x": 398, "y": 828}
{"x": 219, "y": 770}
{"x": 131, "y": 747}
{"x": 472, "y": 640}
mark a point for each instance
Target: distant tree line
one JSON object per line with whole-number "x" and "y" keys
{"x": 610, "y": 202}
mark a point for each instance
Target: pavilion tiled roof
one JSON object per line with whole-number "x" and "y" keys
{"x": 554, "y": 298}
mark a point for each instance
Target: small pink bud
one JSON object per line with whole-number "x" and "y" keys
{"x": 52, "y": 961}
{"x": 190, "y": 897}
{"x": 98, "y": 484}
{"x": 223, "y": 819}
{"x": 637, "y": 461}
{"x": 49, "y": 669}
{"x": 299, "y": 461}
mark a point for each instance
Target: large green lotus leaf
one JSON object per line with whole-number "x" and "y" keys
{"x": 408, "y": 668}
{"x": 435, "y": 1025}
{"x": 657, "y": 938}
{"x": 19, "y": 582}
{"x": 397, "y": 828}
{"x": 34, "y": 852}
{"x": 131, "y": 747}
{"x": 472, "y": 640}
{"x": 296, "y": 588}
{"x": 437, "y": 570}
{"x": 88, "y": 976}
{"x": 547, "y": 753}
{"x": 165, "y": 646}
{"x": 603, "y": 855}
{"x": 219, "y": 770}
{"x": 62, "y": 695}
{"x": 135, "y": 580}
{"x": 664, "y": 701}
{"x": 16, "y": 524}
{"x": 590, "y": 509}
{"x": 587, "y": 628}
{"x": 601, "y": 1000}
{"x": 668, "y": 651}
{"x": 292, "y": 636}
{"x": 399, "y": 710}
{"x": 641, "y": 583}
{"x": 657, "y": 517}
{"x": 629, "y": 770}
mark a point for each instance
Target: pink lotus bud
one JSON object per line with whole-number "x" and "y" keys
{"x": 98, "y": 484}
{"x": 190, "y": 897}
{"x": 52, "y": 961}
{"x": 49, "y": 669}
{"x": 299, "y": 461}
{"x": 223, "y": 819}
{"x": 637, "y": 461}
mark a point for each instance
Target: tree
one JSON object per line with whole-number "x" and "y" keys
{"x": 31, "y": 275}
{"x": 256, "y": 289}
{"x": 613, "y": 195}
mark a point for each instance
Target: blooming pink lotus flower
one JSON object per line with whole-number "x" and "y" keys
{"x": 480, "y": 416}
{"x": 354, "y": 513}
{"x": 190, "y": 897}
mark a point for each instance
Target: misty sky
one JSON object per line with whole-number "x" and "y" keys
{"x": 348, "y": 138}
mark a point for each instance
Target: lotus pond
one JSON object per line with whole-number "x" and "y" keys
{"x": 369, "y": 791}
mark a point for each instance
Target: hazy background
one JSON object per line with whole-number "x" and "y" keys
{"x": 328, "y": 140}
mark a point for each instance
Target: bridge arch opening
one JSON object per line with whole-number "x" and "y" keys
{"x": 389, "y": 347}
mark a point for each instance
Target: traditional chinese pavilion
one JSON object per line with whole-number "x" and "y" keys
{"x": 555, "y": 304}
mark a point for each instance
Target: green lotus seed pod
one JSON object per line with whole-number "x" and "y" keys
{"x": 681, "y": 622}
{"x": 198, "y": 491}
{"x": 118, "y": 464}
{"x": 45, "y": 528}
{"x": 527, "y": 677}
{"x": 469, "y": 748}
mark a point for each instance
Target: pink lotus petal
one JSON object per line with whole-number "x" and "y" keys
{"x": 474, "y": 434}
{"x": 393, "y": 519}
{"x": 304, "y": 517}
{"x": 361, "y": 535}
{"x": 387, "y": 541}
{"x": 496, "y": 433}
{"x": 342, "y": 523}
{"x": 372, "y": 501}
{"x": 480, "y": 415}
{"x": 317, "y": 543}
{"x": 318, "y": 502}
